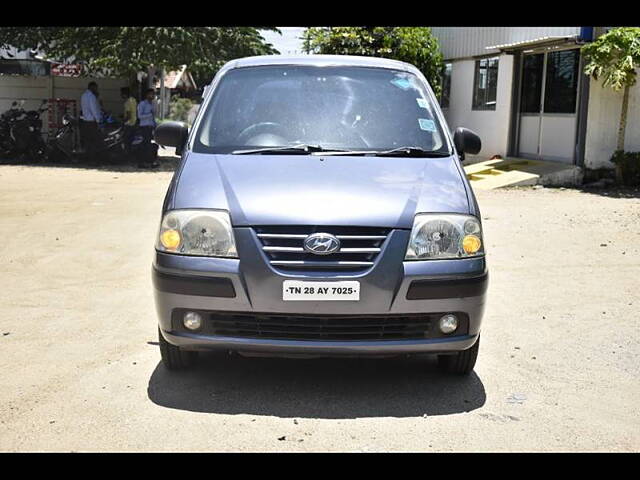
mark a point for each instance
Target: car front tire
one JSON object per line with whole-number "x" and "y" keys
{"x": 460, "y": 363}
{"x": 174, "y": 358}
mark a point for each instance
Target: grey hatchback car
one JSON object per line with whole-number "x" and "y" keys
{"x": 320, "y": 208}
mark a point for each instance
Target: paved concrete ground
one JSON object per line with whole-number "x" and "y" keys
{"x": 558, "y": 368}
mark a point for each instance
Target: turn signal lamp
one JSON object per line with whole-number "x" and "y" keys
{"x": 170, "y": 239}
{"x": 471, "y": 244}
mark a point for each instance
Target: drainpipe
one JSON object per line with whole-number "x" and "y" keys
{"x": 586, "y": 35}
{"x": 514, "y": 117}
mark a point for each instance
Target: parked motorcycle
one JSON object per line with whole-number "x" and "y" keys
{"x": 27, "y": 133}
{"x": 21, "y": 133}
{"x": 113, "y": 135}
{"x": 66, "y": 143}
{"x": 6, "y": 121}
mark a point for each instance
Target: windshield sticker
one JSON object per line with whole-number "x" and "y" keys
{"x": 402, "y": 83}
{"x": 426, "y": 124}
{"x": 422, "y": 103}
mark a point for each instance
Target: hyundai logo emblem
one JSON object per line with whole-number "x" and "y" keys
{"x": 321, "y": 243}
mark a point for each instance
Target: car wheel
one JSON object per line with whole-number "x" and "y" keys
{"x": 174, "y": 358}
{"x": 460, "y": 363}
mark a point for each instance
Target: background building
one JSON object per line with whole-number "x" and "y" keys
{"x": 26, "y": 78}
{"x": 178, "y": 83}
{"x": 523, "y": 90}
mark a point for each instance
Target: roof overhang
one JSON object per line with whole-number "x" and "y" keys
{"x": 172, "y": 79}
{"x": 537, "y": 43}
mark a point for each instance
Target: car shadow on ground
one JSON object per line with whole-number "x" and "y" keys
{"x": 316, "y": 388}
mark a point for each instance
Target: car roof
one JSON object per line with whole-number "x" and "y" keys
{"x": 319, "y": 61}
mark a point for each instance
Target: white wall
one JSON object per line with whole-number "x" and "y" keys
{"x": 603, "y": 119}
{"x": 491, "y": 125}
{"x": 35, "y": 89}
{"x": 30, "y": 89}
{"x": 109, "y": 88}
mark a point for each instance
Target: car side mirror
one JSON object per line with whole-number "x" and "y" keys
{"x": 466, "y": 141}
{"x": 172, "y": 134}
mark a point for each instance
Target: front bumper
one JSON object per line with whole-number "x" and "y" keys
{"x": 192, "y": 341}
{"x": 390, "y": 287}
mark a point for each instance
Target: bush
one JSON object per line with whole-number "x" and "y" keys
{"x": 179, "y": 109}
{"x": 628, "y": 164}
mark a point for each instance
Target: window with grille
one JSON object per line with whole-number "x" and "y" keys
{"x": 485, "y": 84}
{"x": 446, "y": 85}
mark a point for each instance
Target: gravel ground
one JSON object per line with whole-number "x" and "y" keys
{"x": 558, "y": 367}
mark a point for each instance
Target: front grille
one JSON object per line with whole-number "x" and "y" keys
{"x": 359, "y": 247}
{"x": 313, "y": 327}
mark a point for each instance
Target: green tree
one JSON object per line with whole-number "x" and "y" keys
{"x": 415, "y": 45}
{"x": 614, "y": 58}
{"x": 127, "y": 50}
{"x": 179, "y": 109}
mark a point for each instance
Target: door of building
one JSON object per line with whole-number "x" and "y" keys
{"x": 549, "y": 105}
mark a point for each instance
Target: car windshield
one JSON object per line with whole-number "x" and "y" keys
{"x": 342, "y": 108}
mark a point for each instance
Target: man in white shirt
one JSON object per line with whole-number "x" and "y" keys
{"x": 90, "y": 117}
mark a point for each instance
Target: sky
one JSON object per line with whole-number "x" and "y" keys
{"x": 288, "y": 43}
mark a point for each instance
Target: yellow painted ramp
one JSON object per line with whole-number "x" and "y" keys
{"x": 511, "y": 172}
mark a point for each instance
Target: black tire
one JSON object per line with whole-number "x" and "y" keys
{"x": 38, "y": 154}
{"x": 174, "y": 358}
{"x": 460, "y": 363}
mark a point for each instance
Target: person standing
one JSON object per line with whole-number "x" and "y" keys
{"x": 130, "y": 117}
{"x": 147, "y": 116}
{"x": 90, "y": 117}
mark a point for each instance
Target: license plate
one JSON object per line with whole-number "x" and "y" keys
{"x": 293, "y": 290}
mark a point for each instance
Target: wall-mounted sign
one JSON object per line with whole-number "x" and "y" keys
{"x": 66, "y": 70}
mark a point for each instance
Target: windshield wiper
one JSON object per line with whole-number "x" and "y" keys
{"x": 302, "y": 149}
{"x": 410, "y": 152}
{"x": 305, "y": 149}
{"x": 396, "y": 152}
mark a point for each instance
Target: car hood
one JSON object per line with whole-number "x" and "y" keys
{"x": 320, "y": 190}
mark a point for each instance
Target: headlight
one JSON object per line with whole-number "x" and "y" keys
{"x": 197, "y": 232}
{"x": 436, "y": 236}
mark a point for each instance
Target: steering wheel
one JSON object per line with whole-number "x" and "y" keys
{"x": 261, "y": 128}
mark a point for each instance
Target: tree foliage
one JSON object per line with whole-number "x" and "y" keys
{"x": 179, "y": 109}
{"x": 614, "y": 57}
{"x": 415, "y": 45}
{"x": 126, "y": 50}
